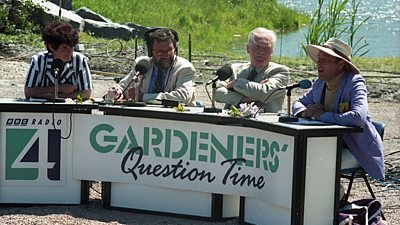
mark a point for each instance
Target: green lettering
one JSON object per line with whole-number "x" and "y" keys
{"x": 93, "y": 138}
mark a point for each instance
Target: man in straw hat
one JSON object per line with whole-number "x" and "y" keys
{"x": 339, "y": 96}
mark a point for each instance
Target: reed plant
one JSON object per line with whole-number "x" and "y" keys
{"x": 359, "y": 45}
{"x": 334, "y": 19}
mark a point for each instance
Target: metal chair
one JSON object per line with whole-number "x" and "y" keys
{"x": 359, "y": 172}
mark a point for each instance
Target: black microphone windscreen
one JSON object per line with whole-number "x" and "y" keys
{"x": 304, "y": 84}
{"x": 224, "y": 72}
{"x": 142, "y": 66}
{"x": 57, "y": 64}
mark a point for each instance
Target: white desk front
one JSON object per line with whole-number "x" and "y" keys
{"x": 156, "y": 159}
{"x": 36, "y": 162}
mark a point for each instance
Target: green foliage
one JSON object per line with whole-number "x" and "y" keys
{"x": 17, "y": 17}
{"x": 4, "y": 13}
{"x": 79, "y": 99}
{"x": 387, "y": 64}
{"x": 30, "y": 39}
{"x": 235, "y": 112}
{"x": 332, "y": 20}
{"x": 212, "y": 24}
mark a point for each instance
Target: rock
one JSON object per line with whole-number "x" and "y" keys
{"x": 138, "y": 29}
{"x": 52, "y": 11}
{"x": 87, "y": 20}
{"x": 108, "y": 30}
{"x": 86, "y": 13}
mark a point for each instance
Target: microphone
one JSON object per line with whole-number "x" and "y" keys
{"x": 303, "y": 84}
{"x": 57, "y": 67}
{"x": 141, "y": 68}
{"x": 223, "y": 73}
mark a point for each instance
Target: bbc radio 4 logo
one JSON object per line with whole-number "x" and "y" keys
{"x": 33, "y": 155}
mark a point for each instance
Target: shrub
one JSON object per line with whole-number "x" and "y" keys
{"x": 16, "y": 17}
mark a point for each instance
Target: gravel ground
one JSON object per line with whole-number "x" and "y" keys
{"x": 384, "y": 106}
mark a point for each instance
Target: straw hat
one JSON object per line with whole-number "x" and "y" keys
{"x": 333, "y": 47}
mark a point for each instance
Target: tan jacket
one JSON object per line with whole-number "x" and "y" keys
{"x": 264, "y": 95}
{"x": 179, "y": 86}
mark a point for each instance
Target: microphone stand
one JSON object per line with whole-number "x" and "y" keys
{"x": 135, "y": 101}
{"x": 288, "y": 117}
{"x": 56, "y": 99}
{"x": 56, "y": 85}
{"x": 213, "y": 109}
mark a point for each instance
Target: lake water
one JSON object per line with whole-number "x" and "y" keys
{"x": 382, "y": 30}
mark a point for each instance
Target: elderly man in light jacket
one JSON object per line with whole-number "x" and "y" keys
{"x": 258, "y": 80}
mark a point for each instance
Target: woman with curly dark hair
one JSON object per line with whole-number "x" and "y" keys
{"x": 73, "y": 77}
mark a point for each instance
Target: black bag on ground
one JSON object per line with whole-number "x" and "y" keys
{"x": 361, "y": 212}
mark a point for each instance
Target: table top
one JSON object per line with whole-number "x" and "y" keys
{"x": 42, "y": 105}
{"x": 265, "y": 121}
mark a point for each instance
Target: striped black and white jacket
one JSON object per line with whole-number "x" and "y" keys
{"x": 75, "y": 72}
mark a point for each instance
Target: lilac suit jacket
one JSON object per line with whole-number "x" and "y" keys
{"x": 351, "y": 109}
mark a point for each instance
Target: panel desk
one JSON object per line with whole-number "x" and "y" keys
{"x": 210, "y": 165}
{"x": 36, "y": 153}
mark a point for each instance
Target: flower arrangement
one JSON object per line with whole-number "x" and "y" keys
{"x": 246, "y": 110}
{"x": 79, "y": 99}
{"x": 180, "y": 108}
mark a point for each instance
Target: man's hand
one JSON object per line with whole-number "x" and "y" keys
{"x": 113, "y": 93}
{"x": 230, "y": 85}
{"x": 130, "y": 94}
{"x": 134, "y": 94}
{"x": 313, "y": 111}
{"x": 264, "y": 81}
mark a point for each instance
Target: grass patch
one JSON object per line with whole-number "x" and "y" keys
{"x": 34, "y": 40}
{"x": 384, "y": 64}
{"x": 214, "y": 26}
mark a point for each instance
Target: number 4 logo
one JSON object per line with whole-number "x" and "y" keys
{"x": 23, "y": 155}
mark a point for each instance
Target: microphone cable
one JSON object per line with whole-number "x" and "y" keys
{"x": 54, "y": 124}
{"x": 209, "y": 96}
{"x": 126, "y": 88}
{"x": 141, "y": 68}
{"x": 57, "y": 66}
{"x": 222, "y": 73}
